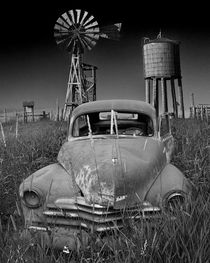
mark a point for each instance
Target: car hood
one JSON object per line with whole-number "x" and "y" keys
{"x": 112, "y": 171}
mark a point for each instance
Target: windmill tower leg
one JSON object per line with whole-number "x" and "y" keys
{"x": 94, "y": 80}
{"x": 74, "y": 89}
{"x": 89, "y": 87}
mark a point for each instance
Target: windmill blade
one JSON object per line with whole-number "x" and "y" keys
{"x": 59, "y": 27}
{"x": 70, "y": 45}
{"x": 83, "y": 18}
{"x": 89, "y": 20}
{"x": 92, "y": 30}
{"x": 78, "y": 15}
{"x": 91, "y": 43}
{"x": 93, "y": 36}
{"x": 71, "y": 16}
{"x": 65, "y": 43}
{"x": 94, "y": 24}
{"x": 66, "y": 18}
{"x": 61, "y": 37}
{"x": 111, "y": 31}
{"x": 62, "y": 23}
{"x": 86, "y": 44}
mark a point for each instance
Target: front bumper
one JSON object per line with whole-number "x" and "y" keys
{"x": 57, "y": 237}
{"x": 71, "y": 223}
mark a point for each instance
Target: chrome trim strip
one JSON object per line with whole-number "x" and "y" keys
{"x": 39, "y": 228}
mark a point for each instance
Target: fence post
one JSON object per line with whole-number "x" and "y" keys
{"x": 3, "y": 136}
{"x": 5, "y": 115}
{"x": 16, "y": 127}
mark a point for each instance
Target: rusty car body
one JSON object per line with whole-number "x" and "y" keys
{"x": 116, "y": 159}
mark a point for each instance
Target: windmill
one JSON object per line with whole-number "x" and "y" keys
{"x": 77, "y": 31}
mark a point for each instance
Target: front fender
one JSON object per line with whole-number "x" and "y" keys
{"x": 169, "y": 180}
{"x": 52, "y": 181}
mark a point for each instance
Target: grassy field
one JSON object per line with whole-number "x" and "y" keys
{"x": 186, "y": 239}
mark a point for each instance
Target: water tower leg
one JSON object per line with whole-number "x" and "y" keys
{"x": 164, "y": 99}
{"x": 155, "y": 96}
{"x": 193, "y": 99}
{"x": 202, "y": 113}
{"x": 32, "y": 113}
{"x": 207, "y": 115}
{"x": 24, "y": 115}
{"x": 197, "y": 113}
{"x": 164, "y": 95}
{"x": 191, "y": 112}
{"x": 5, "y": 115}
{"x": 181, "y": 99}
{"x": 173, "y": 93}
{"x": 147, "y": 90}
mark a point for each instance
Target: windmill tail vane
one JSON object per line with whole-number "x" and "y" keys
{"x": 111, "y": 31}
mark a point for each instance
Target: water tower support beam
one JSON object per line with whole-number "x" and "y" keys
{"x": 164, "y": 96}
{"x": 193, "y": 106}
{"x": 155, "y": 96}
{"x": 202, "y": 112}
{"x": 181, "y": 99}
{"x": 173, "y": 93}
{"x": 147, "y": 90}
{"x": 207, "y": 115}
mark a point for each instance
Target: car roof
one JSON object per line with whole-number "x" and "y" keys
{"x": 118, "y": 105}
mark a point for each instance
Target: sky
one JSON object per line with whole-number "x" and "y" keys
{"x": 32, "y": 67}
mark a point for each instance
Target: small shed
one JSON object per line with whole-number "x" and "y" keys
{"x": 28, "y": 108}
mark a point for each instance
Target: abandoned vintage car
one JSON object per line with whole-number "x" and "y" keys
{"x": 116, "y": 159}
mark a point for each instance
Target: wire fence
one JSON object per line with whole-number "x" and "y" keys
{"x": 7, "y": 117}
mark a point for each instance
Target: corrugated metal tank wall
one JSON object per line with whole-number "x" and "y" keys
{"x": 161, "y": 59}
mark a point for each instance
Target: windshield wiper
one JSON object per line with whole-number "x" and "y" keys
{"x": 113, "y": 123}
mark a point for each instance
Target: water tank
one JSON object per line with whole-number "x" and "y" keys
{"x": 161, "y": 58}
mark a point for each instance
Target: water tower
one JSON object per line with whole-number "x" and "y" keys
{"x": 162, "y": 65}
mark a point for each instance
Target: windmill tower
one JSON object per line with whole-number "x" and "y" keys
{"x": 75, "y": 31}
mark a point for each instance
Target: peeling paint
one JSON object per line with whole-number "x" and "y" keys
{"x": 86, "y": 179}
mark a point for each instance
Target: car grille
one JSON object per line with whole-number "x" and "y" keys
{"x": 79, "y": 214}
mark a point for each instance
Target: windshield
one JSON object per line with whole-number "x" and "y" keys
{"x": 113, "y": 122}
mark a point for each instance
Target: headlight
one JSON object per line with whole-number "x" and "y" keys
{"x": 175, "y": 202}
{"x": 31, "y": 199}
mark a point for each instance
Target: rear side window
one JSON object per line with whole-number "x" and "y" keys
{"x": 113, "y": 122}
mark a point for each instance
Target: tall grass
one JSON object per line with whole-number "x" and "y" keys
{"x": 186, "y": 239}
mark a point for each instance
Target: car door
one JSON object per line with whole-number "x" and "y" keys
{"x": 165, "y": 135}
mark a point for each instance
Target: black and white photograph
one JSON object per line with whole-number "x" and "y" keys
{"x": 104, "y": 132}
